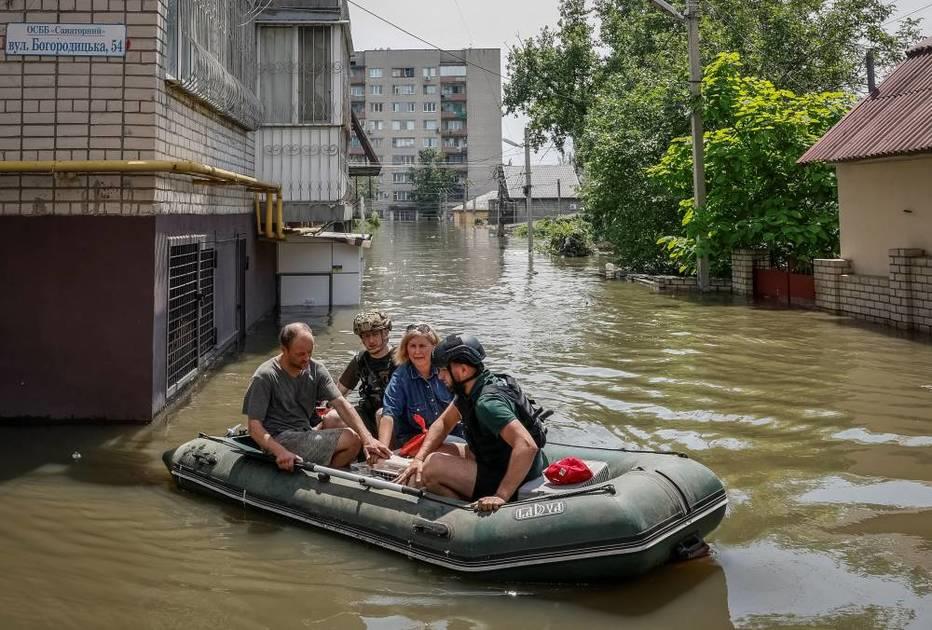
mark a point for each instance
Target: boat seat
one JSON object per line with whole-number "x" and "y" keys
{"x": 541, "y": 485}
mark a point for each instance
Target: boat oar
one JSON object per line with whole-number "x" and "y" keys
{"x": 325, "y": 472}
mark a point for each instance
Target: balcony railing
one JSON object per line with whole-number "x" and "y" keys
{"x": 454, "y": 133}
{"x": 453, "y": 98}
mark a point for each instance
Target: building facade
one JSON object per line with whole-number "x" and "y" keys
{"x": 135, "y": 141}
{"x": 882, "y": 154}
{"x": 411, "y": 100}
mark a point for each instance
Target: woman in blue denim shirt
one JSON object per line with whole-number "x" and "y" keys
{"x": 415, "y": 388}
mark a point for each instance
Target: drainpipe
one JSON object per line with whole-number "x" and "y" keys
{"x": 258, "y": 214}
{"x": 269, "y": 200}
{"x": 281, "y": 216}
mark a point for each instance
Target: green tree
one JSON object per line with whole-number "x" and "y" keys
{"x": 623, "y": 106}
{"x": 757, "y": 195}
{"x": 433, "y": 181}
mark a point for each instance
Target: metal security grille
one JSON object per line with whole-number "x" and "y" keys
{"x": 208, "y": 332}
{"x": 191, "y": 332}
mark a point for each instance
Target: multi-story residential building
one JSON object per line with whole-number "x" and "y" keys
{"x": 412, "y": 100}
{"x": 147, "y": 153}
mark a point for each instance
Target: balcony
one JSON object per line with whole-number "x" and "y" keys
{"x": 454, "y": 133}
{"x": 453, "y": 98}
{"x": 447, "y": 114}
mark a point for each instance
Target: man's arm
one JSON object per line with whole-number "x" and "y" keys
{"x": 349, "y": 416}
{"x": 386, "y": 428}
{"x": 436, "y": 434}
{"x": 284, "y": 458}
{"x": 523, "y": 452}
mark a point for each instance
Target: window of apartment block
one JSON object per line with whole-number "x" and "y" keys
{"x": 402, "y": 178}
{"x": 230, "y": 44}
{"x": 453, "y": 88}
{"x": 357, "y": 90}
{"x": 454, "y": 143}
{"x": 430, "y": 143}
{"x": 375, "y": 108}
{"x": 375, "y": 90}
{"x": 403, "y": 195}
{"x": 456, "y": 159}
{"x": 403, "y": 90}
{"x": 358, "y": 108}
{"x": 375, "y": 125}
{"x": 403, "y": 73}
{"x": 430, "y": 90}
{"x": 430, "y": 107}
{"x": 403, "y": 159}
{"x": 396, "y": 107}
{"x": 453, "y": 71}
{"x": 430, "y": 125}
{"x": 410, "y": 108}
{"x": 428, "y": 73}
{"x": 454, "y": 125}
{"x": 295, "y": 90}
{"x": 402, "y": 143}
{"x": 458, "y": 109}
{"x": 402, "y": 125}
{"x": 376, "y": 142}
{"x": 375, "y": 73}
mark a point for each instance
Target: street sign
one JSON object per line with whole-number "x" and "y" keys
{"x": 68, "y": 40}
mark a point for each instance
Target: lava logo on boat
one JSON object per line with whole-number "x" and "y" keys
{"x": 538, "y": 510}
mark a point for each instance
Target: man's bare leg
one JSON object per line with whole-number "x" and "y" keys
{"x": 348, "y": 446}
{"x": 449, "y": 475}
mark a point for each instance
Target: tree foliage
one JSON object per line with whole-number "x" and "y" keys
{"x": 613, "y": 79}
{"x": 433, "y": 180}
{"x": 758, "y": 197}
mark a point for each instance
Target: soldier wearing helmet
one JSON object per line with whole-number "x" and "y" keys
{"x": 370, "y": 369}
{"x": 503, "y": 431}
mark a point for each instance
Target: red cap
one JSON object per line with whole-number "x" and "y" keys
{"x": 568, "y": 470}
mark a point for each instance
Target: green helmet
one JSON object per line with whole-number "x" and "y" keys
{"x": 372, "y": 320}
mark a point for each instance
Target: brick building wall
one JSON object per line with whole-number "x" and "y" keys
{"x": 902, "y": 299}
{"x": 111, "y": 108}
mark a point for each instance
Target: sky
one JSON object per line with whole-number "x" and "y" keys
{"x": 489, "y": 24}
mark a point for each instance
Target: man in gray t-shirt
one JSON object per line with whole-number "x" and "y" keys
{"x": 282, "y": 398}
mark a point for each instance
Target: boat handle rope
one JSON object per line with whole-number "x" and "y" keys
{"x": 624, "y": 450}
{"x": 325, "y": 472}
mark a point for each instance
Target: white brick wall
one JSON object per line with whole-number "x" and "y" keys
{"x": 101, "y": 108}
{"x": 902, "y": 299}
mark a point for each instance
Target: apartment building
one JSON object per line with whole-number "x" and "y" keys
{"x": 410, "y": 100}
{"x": 147, "y": 157}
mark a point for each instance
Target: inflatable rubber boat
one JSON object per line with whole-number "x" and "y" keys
{"x": 638, "y": 511}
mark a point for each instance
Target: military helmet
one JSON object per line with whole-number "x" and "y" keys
{"x": 459, "y": 348}
{"x": 371, "y": 320}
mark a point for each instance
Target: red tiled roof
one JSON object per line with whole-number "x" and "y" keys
{"x": 895, "y": 120}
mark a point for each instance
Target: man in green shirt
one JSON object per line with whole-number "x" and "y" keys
{"x": 503, "y": 435}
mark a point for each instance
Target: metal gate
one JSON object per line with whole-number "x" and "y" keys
{"x": 191, "y": 332}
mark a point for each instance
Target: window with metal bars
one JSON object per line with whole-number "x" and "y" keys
{"x": 191, "y": 331}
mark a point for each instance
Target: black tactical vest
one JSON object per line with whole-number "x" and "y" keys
{"x": 492, "y": 450}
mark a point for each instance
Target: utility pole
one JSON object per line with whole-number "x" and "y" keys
{"x": 465, "y": 199}
{"x": 527, "y": 191}
{"x": 695, "y": 89}
{"x": 559, "y": 200}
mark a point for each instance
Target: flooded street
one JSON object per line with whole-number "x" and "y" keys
{"x": 820, "y": 428}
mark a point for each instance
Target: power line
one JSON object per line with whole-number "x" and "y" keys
{"x": 563, "y": 97}
{"x": 424, "y": 41}
{"x": 903, "y": 17}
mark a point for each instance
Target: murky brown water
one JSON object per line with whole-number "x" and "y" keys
{"x": 821, "y": 429}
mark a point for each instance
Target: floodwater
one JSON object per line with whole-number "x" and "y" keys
{"x": 821, "y": 429}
